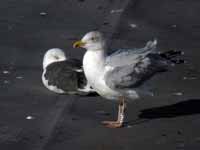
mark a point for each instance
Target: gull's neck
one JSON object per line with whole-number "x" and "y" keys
{"x": 96, "y": 57}
{"x": 94, "y": 66}
{"x": 93, "y": 63}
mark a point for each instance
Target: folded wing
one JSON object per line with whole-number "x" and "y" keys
{"x": 130, "y": 69}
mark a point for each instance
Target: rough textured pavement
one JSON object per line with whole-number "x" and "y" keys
{"x": 169, "y": 120}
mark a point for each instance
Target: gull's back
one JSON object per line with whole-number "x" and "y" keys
{"x": 132, "y": 68}
{"x": 125, "y": 57}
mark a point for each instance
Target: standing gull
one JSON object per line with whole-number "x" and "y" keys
{"x": 120, "y": 76}
{"x": 64, "y": 75}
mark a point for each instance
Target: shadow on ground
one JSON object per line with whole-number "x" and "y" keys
{"x": 183, "y": 108}
{"x": 188, "y": 107}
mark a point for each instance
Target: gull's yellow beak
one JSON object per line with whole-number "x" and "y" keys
{"x": 78, "y": 44}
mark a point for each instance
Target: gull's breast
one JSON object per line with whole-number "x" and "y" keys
{"x": 95, "y": 77}
{"x": 94, "y": 69}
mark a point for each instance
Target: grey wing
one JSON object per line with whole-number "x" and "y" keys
{"x": 63, "y": 75}
{"x": 134, "y": 75}
{"x": 130, "y": 56}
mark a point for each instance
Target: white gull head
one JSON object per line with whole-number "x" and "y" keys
{"x": 92, "y": 41}
{"x": 53, "y": 55}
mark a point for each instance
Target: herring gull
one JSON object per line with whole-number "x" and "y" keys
{"x": 64, "y": 75}
{"x": 120, "y": 76}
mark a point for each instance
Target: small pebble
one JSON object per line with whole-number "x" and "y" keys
{"x": 185, "y": 78}
{"x": 178, "y": 94}
{"x": 189, "y": 78}
{"x": 19, "y": 77}
{"x": 133, "y": 25}
{"x": 116, "y": 11}
{"x": 6, "y": 72}
{"x": 43, "y": 14}
{"x": 29, "y": 117}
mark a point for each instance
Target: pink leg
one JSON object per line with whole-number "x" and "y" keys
{"x": 120, "y": 119}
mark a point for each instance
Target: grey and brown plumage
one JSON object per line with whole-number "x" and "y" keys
{"x": 120, "y": 76}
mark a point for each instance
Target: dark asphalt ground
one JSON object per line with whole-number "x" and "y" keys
{"x": 169, "y": 121}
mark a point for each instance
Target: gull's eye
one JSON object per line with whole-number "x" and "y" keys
{"x": 56, "y": 57}
{"x": 93, "y": 39}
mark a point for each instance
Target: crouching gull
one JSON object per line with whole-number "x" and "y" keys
{"x": 64, "y": 75}
{"x": 120, "y": 76}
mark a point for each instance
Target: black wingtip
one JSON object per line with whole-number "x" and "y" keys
{"x": 174, "y": 56}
